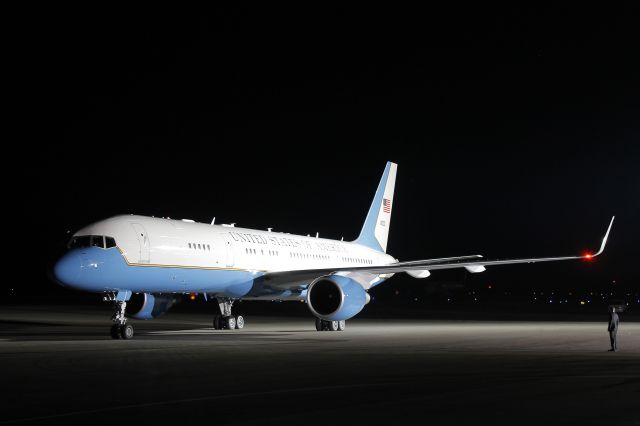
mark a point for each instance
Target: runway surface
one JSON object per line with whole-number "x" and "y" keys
{"x": 59, "y": 366}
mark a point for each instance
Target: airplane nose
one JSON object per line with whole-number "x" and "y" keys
{"x": 67, "y": 269}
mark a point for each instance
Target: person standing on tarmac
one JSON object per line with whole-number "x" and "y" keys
{"x": 613, "y": 329}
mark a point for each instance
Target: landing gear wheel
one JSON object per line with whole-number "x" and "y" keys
{"x": 231, "y": 323}
{"x": 333, "y": 325}
{"x": 319, "y": 324}
{"x": 216, "y": 322}
{"x": 115, "y": 331}
{"x": 126, "y": 331}
{"x": 239, "y": 322}
{"x": 226, "y": 320}
{"x": 342, "y": 325}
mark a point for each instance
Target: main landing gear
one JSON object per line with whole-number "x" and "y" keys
{"x": 227, "y": 321}
{"x": 322, "y": 325}
{"x": 120, "y": 329}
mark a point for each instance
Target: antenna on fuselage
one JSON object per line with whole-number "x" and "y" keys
{"x": 269, "y": 229}
{"x": 214, "y": 220}
{"x": 317, "y": 234}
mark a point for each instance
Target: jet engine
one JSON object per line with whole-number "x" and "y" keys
{"x": 148, "y": 306}
{"x": 336, "y": 298}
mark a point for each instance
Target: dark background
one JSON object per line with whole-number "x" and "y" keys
{"x": 515, "y": 131}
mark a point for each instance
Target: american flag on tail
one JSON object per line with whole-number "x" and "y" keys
{"x": 386, "y": 205}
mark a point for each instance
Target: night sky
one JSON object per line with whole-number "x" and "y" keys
{"x": 516, "y": 131}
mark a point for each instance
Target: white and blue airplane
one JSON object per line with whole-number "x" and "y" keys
{"x": 147, "y": 261}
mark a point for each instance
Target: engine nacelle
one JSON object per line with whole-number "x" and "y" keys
{"x": 148, "y": 306}
{"x": 336, "y": 298}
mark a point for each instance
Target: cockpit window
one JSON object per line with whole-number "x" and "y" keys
{"x": 81, "y": 241}
{"x": 97, "y": 241}
{"x": 91, "y": 241}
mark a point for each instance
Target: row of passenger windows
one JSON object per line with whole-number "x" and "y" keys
{"x": 357, "y": 260}
{"x": 200, "y": 246}
{"x": 91, "y": 241}
{"x": 309, "y": 256}
{"x": 262, "y": 252}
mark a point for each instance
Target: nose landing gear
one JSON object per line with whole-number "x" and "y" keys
{"x": 120, "y": 329}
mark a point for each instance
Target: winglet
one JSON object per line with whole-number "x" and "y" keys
{"x": 604, "y": 240}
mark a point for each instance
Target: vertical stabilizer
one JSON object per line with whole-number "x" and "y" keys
{"x": 375, "y": 230}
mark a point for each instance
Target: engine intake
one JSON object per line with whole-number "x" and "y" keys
{"x": 336, "y": 298}
{"x": 148, "y": 306}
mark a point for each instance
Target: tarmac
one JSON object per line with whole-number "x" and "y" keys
{"x": 59, "y": 365}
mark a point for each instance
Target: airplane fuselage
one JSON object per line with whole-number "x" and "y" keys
{"x": 158, "y": 255}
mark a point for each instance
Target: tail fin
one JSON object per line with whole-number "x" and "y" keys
{"x": 375, "y": 230}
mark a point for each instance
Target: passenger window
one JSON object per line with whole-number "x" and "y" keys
{"x": 97, "y": 241}
{"x": 110, "y": 242}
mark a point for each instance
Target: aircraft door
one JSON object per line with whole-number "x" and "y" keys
{"x": 143, "y": 240}
{"x": 229, "y": 249}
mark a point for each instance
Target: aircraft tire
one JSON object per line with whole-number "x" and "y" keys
{"x": 231, "y": 323}
{"x": 333, "y": 325}
{"x": 342, "y": 325}
{"x": 319, "y": 324}
{"x": 239, "y": 322}
{"x": 126, "y": 331}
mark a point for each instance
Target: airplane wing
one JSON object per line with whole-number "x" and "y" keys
{"x": 473, "y": 263}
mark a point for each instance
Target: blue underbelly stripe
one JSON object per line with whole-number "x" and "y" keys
{"x": 107, "y": 270}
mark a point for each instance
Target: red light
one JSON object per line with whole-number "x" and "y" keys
{"x": 192, "y": 296}
{"x": 588, "y": 256}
